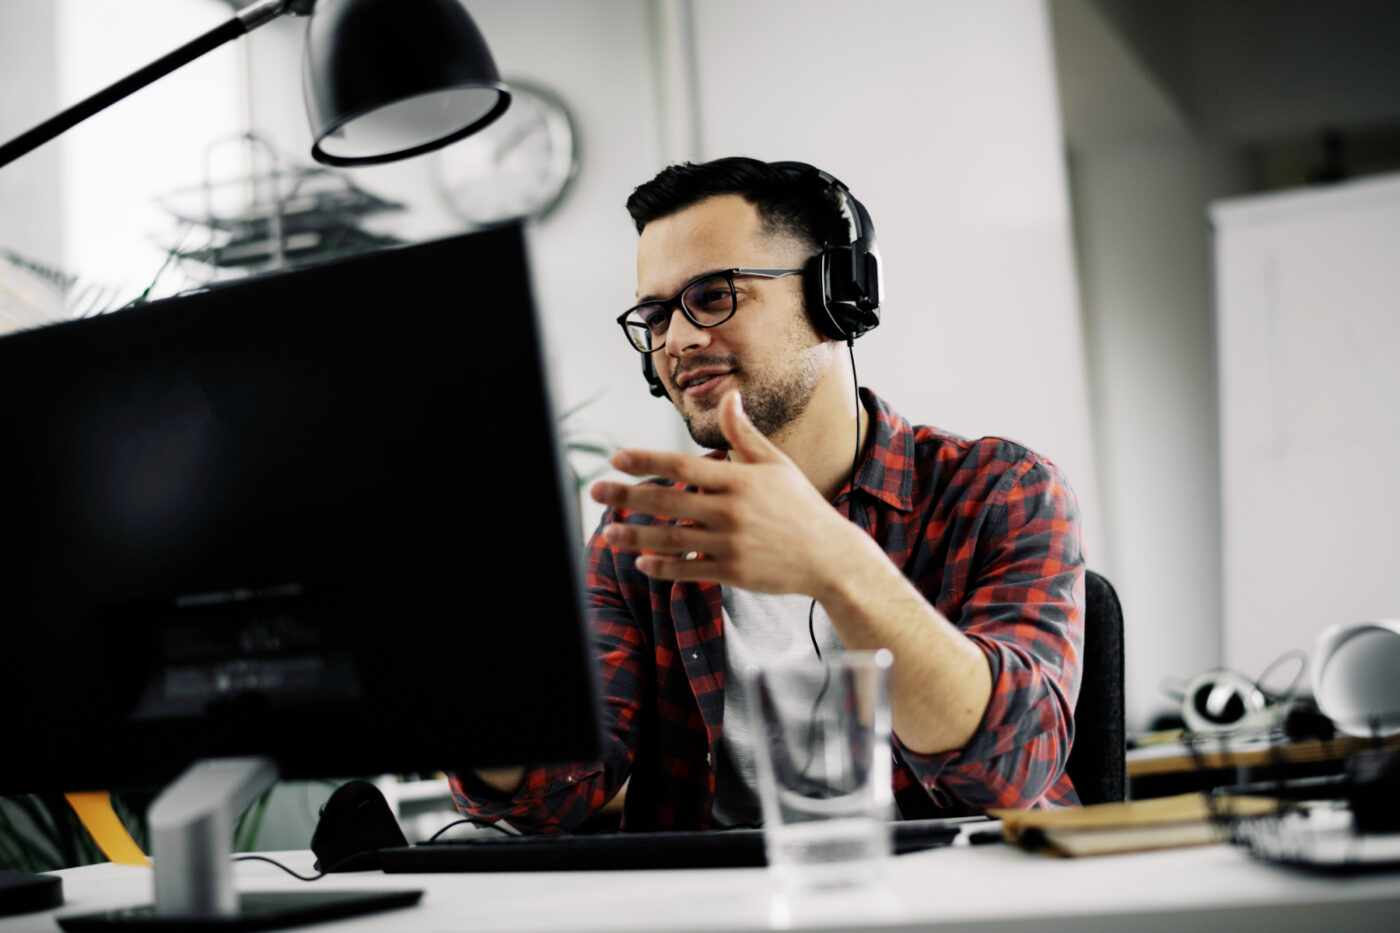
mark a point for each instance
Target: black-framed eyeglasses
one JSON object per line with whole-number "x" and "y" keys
{"x": 706, "y": 301}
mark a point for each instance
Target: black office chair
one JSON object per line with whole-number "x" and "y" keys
{"x": 1096, "y": 764}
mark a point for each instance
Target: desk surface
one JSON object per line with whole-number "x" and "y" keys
{"x": 980, "y": 888}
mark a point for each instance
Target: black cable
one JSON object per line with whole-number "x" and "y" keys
{"x": 855, "y": 459}
{"x": 851, "y": 513}
{"x": 472, "y": 820}
{"x": 812, "y": 732}
{"x": 1175, "y": 694}
{"x": 1230, "y": 823}
{"x": 299, "y": 877}
{"x": 812, "y": 609}
{"x": 480, "y": 824}
{"x": 1288, "y": 691}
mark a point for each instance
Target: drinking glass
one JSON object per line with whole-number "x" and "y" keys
{"x": 824, "y": 768}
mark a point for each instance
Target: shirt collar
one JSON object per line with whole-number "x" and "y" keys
{"x": 887, "y": 471}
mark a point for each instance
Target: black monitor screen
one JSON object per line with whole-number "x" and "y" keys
{"x": 319, "y": 516}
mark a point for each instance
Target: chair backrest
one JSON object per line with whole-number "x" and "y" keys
{"x": 1096, "y": 764}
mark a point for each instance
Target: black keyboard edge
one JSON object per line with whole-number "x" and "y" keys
{"x": 625, "y": 851}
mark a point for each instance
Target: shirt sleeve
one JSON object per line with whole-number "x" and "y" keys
{"x": 558, "y": 798}
{"x": 1023, "y": 606}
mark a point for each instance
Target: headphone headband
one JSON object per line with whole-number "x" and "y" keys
{"x": 846, "y": 290}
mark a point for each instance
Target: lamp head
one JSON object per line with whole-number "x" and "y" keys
{"x": 389, "y": 79}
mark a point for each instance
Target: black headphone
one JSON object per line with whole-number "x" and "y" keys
{"x": 841, "y": 283}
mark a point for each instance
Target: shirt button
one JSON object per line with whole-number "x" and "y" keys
{"x": 694, "y": 655}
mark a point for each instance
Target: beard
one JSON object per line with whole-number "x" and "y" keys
{"x": 771, "y": 401}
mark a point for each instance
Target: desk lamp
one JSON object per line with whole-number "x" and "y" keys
{"x": 383, "y": 80}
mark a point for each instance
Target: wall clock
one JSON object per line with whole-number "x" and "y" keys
{"x": 518, "y": 167}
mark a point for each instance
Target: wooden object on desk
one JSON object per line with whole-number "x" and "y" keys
{"x": 1176, "y": 758}
{"x": 1131, "y": 826}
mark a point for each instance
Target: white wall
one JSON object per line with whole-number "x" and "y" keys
{"x": 118, "y": 163}
{"x": 86, "y": 202}
{"x": 30, "y": 198}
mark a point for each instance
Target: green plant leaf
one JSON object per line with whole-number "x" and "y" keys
{"x": 16, "y": 850}
{"x": 245, "y": 833}
{"x": 575, "y": 409}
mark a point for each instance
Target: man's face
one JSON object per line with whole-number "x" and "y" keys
{"x": 768, "y": 350}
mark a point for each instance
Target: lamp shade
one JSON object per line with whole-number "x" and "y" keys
{"x": 388, "y": 79}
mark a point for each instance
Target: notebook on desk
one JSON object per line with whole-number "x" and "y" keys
{"x": 729, "y": 848}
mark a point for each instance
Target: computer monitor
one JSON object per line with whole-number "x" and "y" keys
{"x": 319, "y": 517}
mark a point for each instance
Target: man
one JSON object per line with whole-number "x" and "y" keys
{"x": 961, "y": 557}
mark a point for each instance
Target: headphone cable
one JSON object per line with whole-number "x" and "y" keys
{"x": 850, "y": 495}
{"x": 812, "y": 609}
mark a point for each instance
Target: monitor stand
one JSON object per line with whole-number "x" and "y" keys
{"x": 191, "y": 841}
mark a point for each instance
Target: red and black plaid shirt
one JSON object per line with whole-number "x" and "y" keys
{"x": 987, "y": 531}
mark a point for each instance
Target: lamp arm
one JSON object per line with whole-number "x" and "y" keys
{"x": 244, "y": 22}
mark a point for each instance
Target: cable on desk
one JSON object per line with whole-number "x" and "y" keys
{"x": 480, "y": 824}
{"x": 484, "y": 824}
{"x": 294, "y": 874}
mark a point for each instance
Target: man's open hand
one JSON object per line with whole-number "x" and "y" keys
{"x": 757, "y": 522}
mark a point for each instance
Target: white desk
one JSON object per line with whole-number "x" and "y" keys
{"x": 982, "y": 888}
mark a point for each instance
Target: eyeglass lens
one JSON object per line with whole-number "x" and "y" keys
{"x": 707, "y": 301}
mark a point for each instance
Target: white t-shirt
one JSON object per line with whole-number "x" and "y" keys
{"x": 759, "y": 629}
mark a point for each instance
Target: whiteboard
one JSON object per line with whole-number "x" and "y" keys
{"x": 1308, "y": 353}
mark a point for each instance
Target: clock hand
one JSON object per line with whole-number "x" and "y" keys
{"x": 511, "y": 141}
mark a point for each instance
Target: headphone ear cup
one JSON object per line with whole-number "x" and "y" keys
{"x": 838, "y": 299}
{"x": 1223, "y": 701}
{"x": 816, "y": 292}
{"x": 868, "y": 306}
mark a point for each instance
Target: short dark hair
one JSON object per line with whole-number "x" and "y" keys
{"x": 801, "y": 206}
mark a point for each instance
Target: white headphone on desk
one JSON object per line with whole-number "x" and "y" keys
{"x": 1224, "y": 701}
{"x": 1356, "y": 677}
